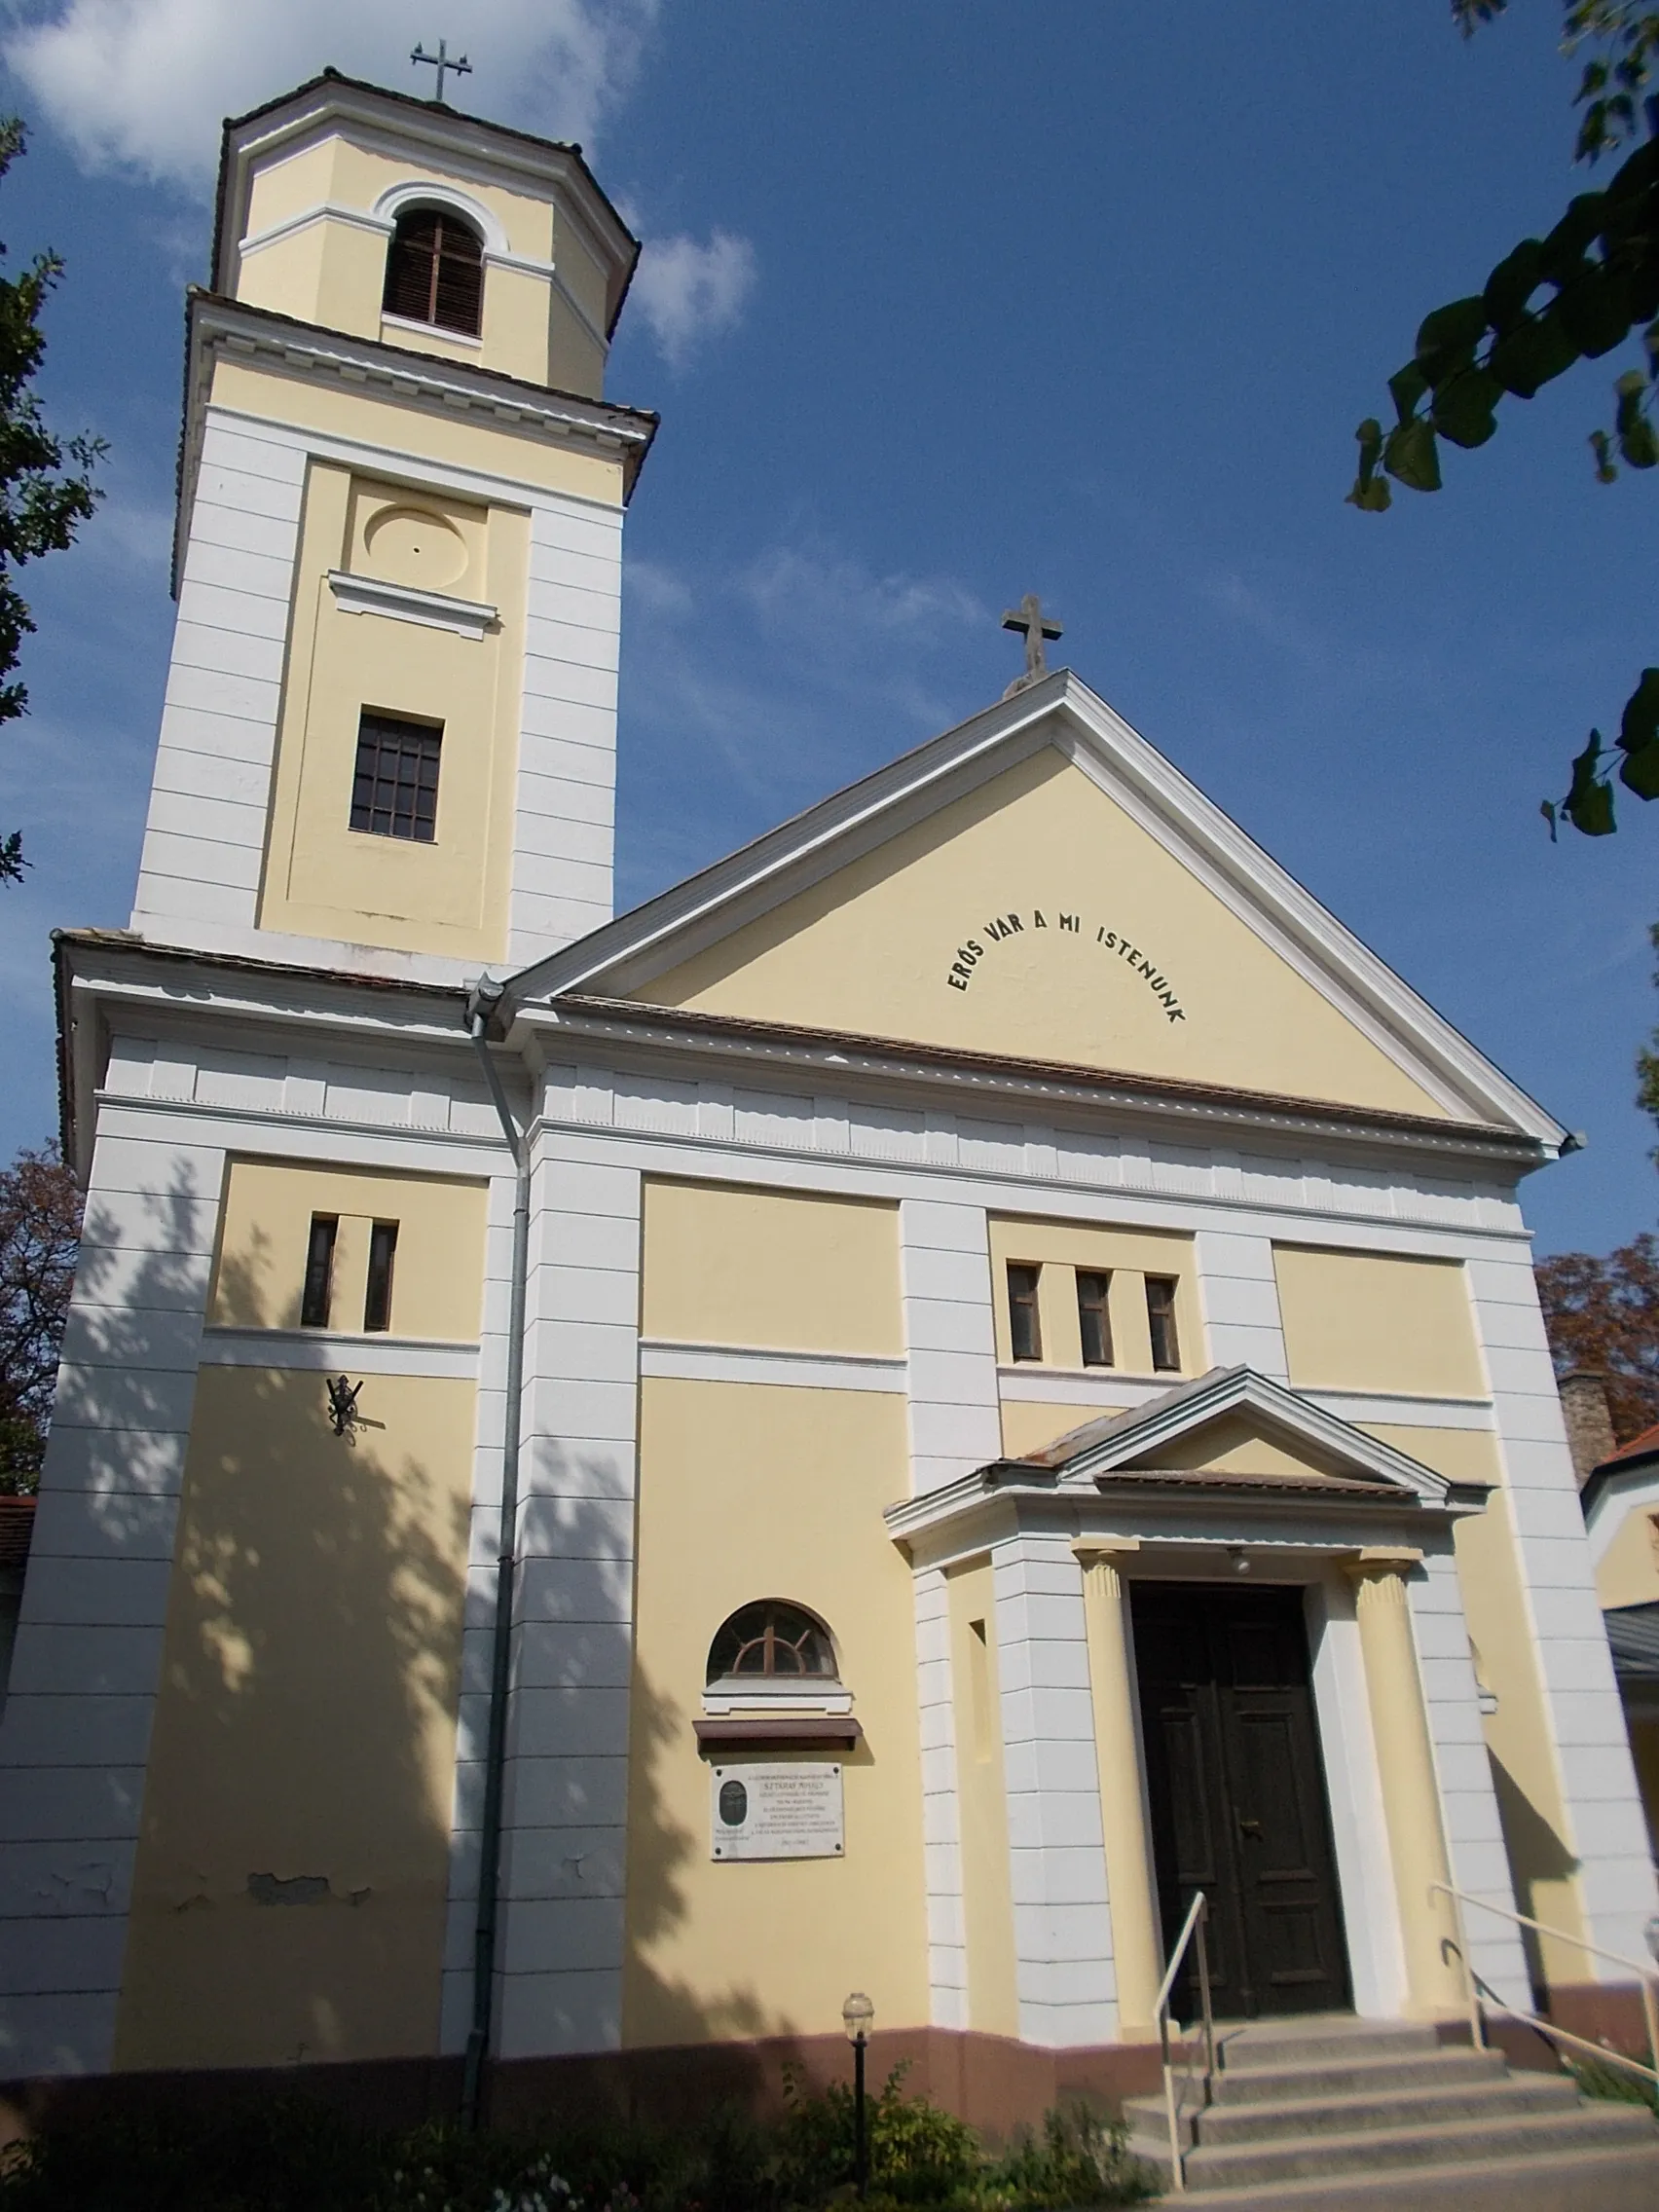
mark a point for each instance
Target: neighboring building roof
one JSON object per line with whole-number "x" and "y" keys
{"x": 16, "y": 1527}
{"x": 1633, "y": 1636}
{"x": 1640, "y": 1452}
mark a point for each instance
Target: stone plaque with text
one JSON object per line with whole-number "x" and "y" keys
{"x": 786, "y": 1811}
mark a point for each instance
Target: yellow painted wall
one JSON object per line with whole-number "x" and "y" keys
{"x": 1128, "y": 1255}
{"x": 1462, "y": 1455}
{"x": 1518, "y": 1736}
{"x": 322, "y": 878}
{"x": 746, "y": 1492}
{"x": 333, "y": 271}
{"x": 437, "y": 1274}
{"x": 304, "y": 1731}
{"x": 1629, "y": 1572}
{"x": 779, "y": 1271}
{"x": 1371, "y": 1321}
{"x": 1027, "y": 1426}
{"x": 391, "y": 427}
{"x": 982, "y": 1795}
{"x": 872, "y": 950}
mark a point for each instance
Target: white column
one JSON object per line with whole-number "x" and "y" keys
{"x": 75, "y": 1737}
{"x": 568, "y": 1737}
{"x": 1062, "y": 1927}
{"x": 945, "y": 1276}
{"x": 942, "y": 1821}
{"x": 1608, "y": 1835}
{"x": 563, "y": 818}
{"x": 204, "y": 840}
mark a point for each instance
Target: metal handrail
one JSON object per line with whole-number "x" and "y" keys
{"x": 1645, "y": 1971}
{"x": 1196, "y": 1915}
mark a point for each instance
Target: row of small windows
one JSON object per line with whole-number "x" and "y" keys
{"x": 1094, "y": 1316}
{"x": 317, "y": 1303}
{"x": 434, "y": 272}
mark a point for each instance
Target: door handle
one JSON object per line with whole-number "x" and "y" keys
{"x": 1248, "y": 1827}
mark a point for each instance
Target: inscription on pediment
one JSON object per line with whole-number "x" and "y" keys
{"x": 1065, "y": 931}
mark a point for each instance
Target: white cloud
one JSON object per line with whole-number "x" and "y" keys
{"x": 820, "y": 594}
{"x": 685, "y": 292}
{"x": 142, "y": 85}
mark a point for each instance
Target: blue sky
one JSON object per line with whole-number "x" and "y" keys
{"x": 952, "y": 301}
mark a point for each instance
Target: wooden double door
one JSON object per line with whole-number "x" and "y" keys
{"x": 1237, "y": 1794}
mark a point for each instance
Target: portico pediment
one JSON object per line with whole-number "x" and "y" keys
{"x": 1231, "y": 1438}
{"x": 1234, "y": 1428}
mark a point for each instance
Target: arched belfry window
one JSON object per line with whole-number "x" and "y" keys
{"x": 435, "y": 270}
{"x": 776, "y": 1642}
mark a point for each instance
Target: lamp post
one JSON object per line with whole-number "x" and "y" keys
{"x": 858, "y": 2016}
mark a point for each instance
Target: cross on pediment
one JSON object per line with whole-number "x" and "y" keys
{"x": 1029, "y": 618}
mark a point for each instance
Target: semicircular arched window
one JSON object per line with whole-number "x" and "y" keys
{"x": 435, "y": 270}
{"x": 774, "y": 1640}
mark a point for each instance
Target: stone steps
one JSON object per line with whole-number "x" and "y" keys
{"x": 1331, "y": 2111}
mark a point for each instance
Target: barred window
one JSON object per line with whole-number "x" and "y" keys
{"x": 395, "y": 793}
{"x": 434, "y": 272}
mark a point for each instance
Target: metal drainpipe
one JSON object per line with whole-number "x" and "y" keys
{"x": 482, "y": 1002}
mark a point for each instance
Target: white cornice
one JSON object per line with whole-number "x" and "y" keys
{"x": 226, "y": 329}
{"x": 1206, "y": 1113}
{"x": 404, "y": 602}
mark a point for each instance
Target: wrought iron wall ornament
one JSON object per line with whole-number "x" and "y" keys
{"x": 343, "y": 1404}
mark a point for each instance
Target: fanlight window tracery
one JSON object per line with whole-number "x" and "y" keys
{"x": 773, "y": 1639}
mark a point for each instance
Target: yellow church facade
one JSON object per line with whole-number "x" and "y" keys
{"x": 1003, "y": 1335}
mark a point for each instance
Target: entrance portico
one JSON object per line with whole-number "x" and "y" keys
{"x": 1228, "y": 1652}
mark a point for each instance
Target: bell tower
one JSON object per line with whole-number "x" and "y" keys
{"x": 389, "y": 736}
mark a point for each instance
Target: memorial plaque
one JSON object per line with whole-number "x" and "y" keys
{"x": 775, "y": 1812}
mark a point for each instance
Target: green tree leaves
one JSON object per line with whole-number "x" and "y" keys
{"x": 46, "y": 492}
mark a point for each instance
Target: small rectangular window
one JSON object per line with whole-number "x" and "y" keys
{"x": 1024, "y": 1331}
{"x": 319, "y": 1271}
{"x": 382, "y": 1251}
{"x": 394, "y": 790}
{"x": 1160, "y": 1321}
{"x": 1093, "y": 1321}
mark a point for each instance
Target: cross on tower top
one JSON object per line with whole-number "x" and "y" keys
{"x": 441, "y": 62}
{"x": 1028, "y": 617}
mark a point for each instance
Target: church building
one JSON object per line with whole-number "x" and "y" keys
{"x": 874, "y": 1423}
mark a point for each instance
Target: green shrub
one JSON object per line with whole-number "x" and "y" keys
{"x": 1596, "y": 2079}
{"x": 295, "y": 2155}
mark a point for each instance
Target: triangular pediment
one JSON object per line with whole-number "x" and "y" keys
{"x": 1233, "y": 1427}
{"x": 1042, "y": 886}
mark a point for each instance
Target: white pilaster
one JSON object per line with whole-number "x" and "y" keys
{"x": 1608, "y": 1835}
{"x": 1468, "y": 1802}
{"x": 942, "y": 1819}
{"x": 568, "y": 1737}
{"x": 567, "y": 773}
{"x": 1239, "y": 1294}
{"x": 946, "y": 1279}
{"x": 204, "y": 840}
{"x": 1062, "y": 1923}
{"x": 76, "y": 1731}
